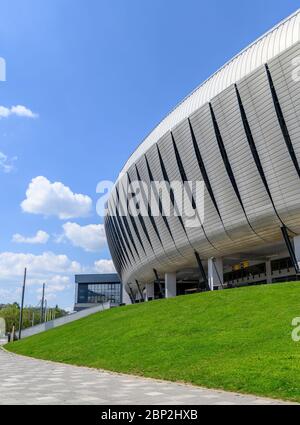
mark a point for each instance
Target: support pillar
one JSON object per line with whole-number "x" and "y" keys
{"x": 140, "y": 291}
{"x": 269, "y": 271}
{"x": 202, "y": 271}
{"x": 126, "y": 298}
{"x": 159, "y": 283}
{"x": 133, "y": 298}
{"x": 76, "y": 292}
{"x": 297, "y": 249}
{"x": 150, "y": 291}
{"x": 171, "y": 285}
{"x": 215, "y": 273}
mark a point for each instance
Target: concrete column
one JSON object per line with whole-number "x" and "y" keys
{"x": 269, "y": 271}
{"x": 215, "y": 272}
{"x": 125, "y": 297}
{"x": 297, "y": 248}
{"x": 131, "y": 292}
{"x": 76, "y": 293}
{"x": 171, "y": 285}
{"x": 150, "y": 291}
{"x": 140, "y": 297}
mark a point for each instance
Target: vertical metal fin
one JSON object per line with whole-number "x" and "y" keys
{"x": 202, "y": 271}
{"x": 290, "y": 248}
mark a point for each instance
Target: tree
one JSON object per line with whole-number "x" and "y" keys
{"x": 11, "y": 314}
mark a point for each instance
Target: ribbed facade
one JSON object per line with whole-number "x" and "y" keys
{"x": 239, "y": 133}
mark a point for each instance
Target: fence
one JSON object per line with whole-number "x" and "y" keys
{"x": 43, "y": 327}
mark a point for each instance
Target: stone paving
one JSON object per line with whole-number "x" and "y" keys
{"x": 27, "y": 381}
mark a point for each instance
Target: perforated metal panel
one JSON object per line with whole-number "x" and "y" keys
{"x": 232, "y": 134}
{"x": 280, "y": 38}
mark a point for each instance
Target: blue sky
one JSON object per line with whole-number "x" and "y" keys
{"x": 99, "y": 75}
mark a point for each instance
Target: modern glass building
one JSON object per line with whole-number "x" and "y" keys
{"x": 239, "y": 134}
{"x": 97, "y": 289}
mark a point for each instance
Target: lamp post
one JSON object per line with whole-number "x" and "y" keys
{"x": 42, "y": 304}
{"x": 22, "y": 305}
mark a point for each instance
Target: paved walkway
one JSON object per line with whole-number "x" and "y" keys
{"x": 29, "y": 381}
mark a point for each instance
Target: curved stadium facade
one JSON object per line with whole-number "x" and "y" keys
{"x": 239, "y": 134}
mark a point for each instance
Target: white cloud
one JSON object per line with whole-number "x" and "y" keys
{"x": 57, "y": 271}
{"x": 7, "y": 296}
{"x": 19, "y": 111}
{"x": 54, "y": 285}
{"x": 91, "y": 238}
{"x": 6, "y": 164}
{"x": 55, "y": 199}
{"x": 12, "y": 264}
{"x": 104, "y": 266}
{"x": 40, "y": 238}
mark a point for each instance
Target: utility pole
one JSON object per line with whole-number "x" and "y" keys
{"x": 46, "y": 311}
{"x": 42, "y": 304}
{"x": 22, "y": 305}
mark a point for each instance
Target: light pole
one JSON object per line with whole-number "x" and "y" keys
{"x": 45, "y": 311}
{"x": 42, "y": 304}
{"x": 22, "y": 305}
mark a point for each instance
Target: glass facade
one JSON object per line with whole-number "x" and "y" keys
{"x": 282, "y": 264}
{"x": 97, "y": 293}
{"x": 245, "y": 274}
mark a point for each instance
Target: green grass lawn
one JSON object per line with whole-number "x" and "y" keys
{"x": 237, "y": 340}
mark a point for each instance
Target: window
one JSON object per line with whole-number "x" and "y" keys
{"x": 98, "y": 293}
{"x": 282, "y": 264}
{"x": 245, "y": 274}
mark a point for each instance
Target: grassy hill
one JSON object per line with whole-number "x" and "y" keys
{"x": 236, "y": 340}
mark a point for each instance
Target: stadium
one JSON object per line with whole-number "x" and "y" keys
{"x": 239, "y": 134}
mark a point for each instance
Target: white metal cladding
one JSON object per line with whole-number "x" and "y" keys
{"x": 236, "y": 219}
{"x": 280, "y": 38}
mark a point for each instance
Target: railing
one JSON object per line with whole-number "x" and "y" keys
{"x": 64, "y": 320}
